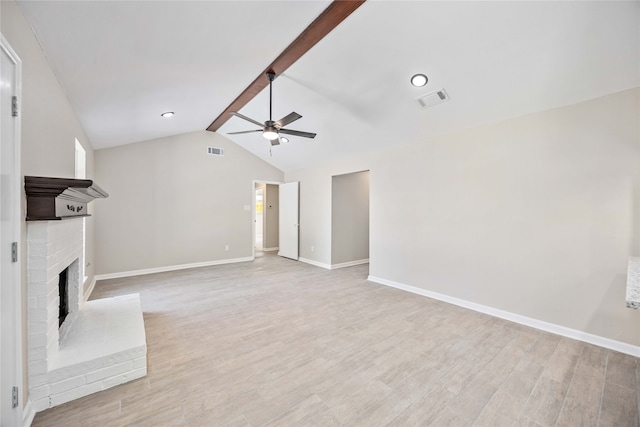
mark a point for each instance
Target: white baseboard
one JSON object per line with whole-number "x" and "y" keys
{"x": 28, "y": 414}
{"x": 517, "y": 318}
{"x": 316, "y": 263}
{"x": 170, "y": 268}
{"x": 334, "y": 266}
{"x": 350, "y": 263}
{"x": 270, "y": 249}
{"x": 87, "y": 292}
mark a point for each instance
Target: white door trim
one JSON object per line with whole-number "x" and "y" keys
{"x": 253, "y": 211}
{"x": 18, "y": 379}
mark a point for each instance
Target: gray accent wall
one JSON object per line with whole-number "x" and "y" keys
{"x": 349, "y": 217}
{"x": 536, "y": 215}
{"x": 173, "y": 204}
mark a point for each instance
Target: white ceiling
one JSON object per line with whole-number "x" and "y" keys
{"x": 123, "y": 63}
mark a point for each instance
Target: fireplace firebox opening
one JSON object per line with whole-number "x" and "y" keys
{"x": 63, "y": 292}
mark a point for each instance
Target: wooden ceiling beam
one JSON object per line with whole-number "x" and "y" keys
{"x": 333, "y": 15}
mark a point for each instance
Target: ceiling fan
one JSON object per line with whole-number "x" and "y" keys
{"x": 271, "y": 130}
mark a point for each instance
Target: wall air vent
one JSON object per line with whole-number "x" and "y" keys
{"x": 433, "y": 98}
{"x": 215, "y": 151}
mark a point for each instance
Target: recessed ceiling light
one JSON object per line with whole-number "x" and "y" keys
{"x": 419, "y": 80}
{"x": 167, "y": 114}
{"x": 284, "y": 139}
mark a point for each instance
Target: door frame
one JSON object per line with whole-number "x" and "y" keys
{"x": 253, "y": 211}
{"x": 16, "y": 339}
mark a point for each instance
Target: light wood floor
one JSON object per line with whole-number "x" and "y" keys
{"x": 279, "y": 342}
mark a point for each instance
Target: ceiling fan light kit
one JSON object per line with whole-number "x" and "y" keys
{"x": 271, "y": 130}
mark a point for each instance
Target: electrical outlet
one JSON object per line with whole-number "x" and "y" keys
{"x": 226, "y": 248}
{"x": 313, "y": 248}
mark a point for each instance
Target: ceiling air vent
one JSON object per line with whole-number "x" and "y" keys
{"x": 433, "y": 98}
{"x": 215, "y": 151}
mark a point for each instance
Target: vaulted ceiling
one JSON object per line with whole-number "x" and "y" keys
{"x": 123, "y": 63}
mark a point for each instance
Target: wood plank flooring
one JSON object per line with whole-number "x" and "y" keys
{"x": 276, "y": 342}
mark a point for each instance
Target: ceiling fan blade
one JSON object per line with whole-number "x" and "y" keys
{"x": 298, "y": 133}
{"x": 289, "y": 118}
{"x": 244, "y": 131}
{"x": 255, "y": 122}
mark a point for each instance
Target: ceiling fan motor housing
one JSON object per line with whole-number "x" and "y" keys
{"x": 271, "y": 129}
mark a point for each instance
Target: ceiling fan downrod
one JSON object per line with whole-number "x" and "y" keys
{"x": 270, "y": 75}
{"x": 270, "y": 132}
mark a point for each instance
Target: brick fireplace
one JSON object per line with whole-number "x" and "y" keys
{"x": 100, "y": 343}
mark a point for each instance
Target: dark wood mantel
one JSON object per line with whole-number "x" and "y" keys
{"x": 59, "y": 198}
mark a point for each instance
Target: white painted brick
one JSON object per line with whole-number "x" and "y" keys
{"x": 52, "y": 345}
{"x": 37, "y": 393}
{"x": 76, "y": 393}
{"x": 38, "y": 380}
{"x": 126, "y": 377}
{"x": 116, "y": 380}
{"x": 38, "y": 328}
{"x": 137, "y": 373}
{"x": 37, "y": 230}
{"x": 38, "y": 353}
{"x": 53, "y": 271}
{"x": 75, "y": 370}
{"x": 42, "y": 302}
{"x": 36, "y": 342}
{"x": 109, "y": 372}
{"x": 52, "y": 295}
{"x": 66, "y": 385}
{"x": 40, "y": 404}
{"x": 38, "y": 368}
{"x": 122, "y": 356}
{"x": 141, "y": 362}
{"x": 38, "y": 250}
{"x": 39, "y": 290}
{"x": 37, "y": 272}
{"x": 52, "y": 307}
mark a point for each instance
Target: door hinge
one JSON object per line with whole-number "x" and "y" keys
{"x": 14, "y": 397}
{"x": 14, "y": 252}
{"x": 14, "y": 106}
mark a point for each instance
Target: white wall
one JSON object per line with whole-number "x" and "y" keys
{"x": 350, "y": 217}
{"x": 49, "y": 128}
{"x": 172, "y": 204}
{"x": 536, "y": 215}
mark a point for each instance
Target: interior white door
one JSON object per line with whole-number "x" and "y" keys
{"x": 9, "y": 231}
{"x": 289, "y": 217}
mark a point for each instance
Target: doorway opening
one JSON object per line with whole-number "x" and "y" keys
{"x": 266, "y": 214}
{"x": 259, "y": 221}
{"x": 350, "y": 219}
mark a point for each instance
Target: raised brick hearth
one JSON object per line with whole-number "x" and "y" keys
{"x": 100, "y": 344}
